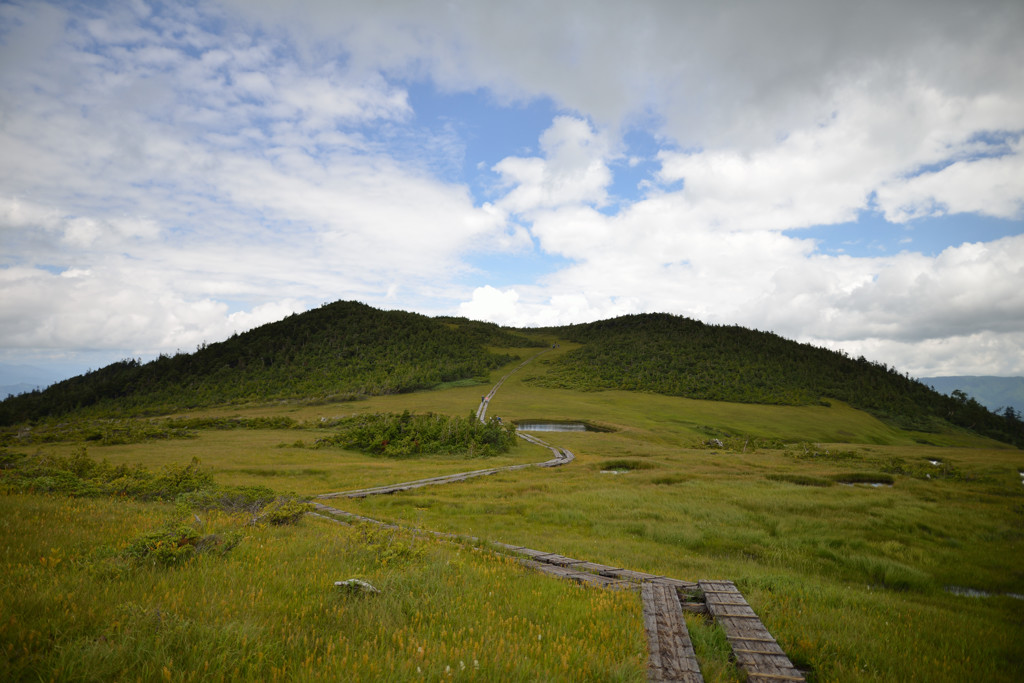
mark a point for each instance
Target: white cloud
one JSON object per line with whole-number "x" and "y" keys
{"x": 170, "y": 179}
{"x": 159, "y": 163}
{"x": 574, "y": 170}
{"x": 990, "y": 187}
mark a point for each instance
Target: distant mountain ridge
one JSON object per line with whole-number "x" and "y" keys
{"x": 990, "y": 391}
{"x": 20, "y": 388}
{"x": 21, "y": 378}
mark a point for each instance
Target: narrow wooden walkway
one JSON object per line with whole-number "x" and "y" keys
{"x": 560, "y": 456}
{"x": 671, "y": 653}
{"x": 755, "y": 649}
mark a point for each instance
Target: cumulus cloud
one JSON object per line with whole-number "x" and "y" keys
{"x": 171, "y": 172}
{"x": 988, "y": 186}
{"x": 574, "y": 170}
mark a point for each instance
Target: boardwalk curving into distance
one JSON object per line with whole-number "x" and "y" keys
{"x": 671, "y": 656}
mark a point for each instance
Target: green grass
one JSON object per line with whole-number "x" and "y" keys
{"x": 850, "y": 579}
{"x": 268, "y": 608}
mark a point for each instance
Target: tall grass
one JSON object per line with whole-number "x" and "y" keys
{"x": 850, "y": 579}
{"x": 268, "y": 609}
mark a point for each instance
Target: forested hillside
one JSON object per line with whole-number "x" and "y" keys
{"x": 677, "y": 356}
{"x": 344, "y": 349}
{"x": 347, "y": 349}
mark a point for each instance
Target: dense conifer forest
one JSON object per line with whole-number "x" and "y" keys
{"x": 346, "y": 350}
{"x": 340, "y": 350}
{"x": 678, "y": 356}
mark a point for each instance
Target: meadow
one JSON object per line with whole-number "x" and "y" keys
{"x": 855, "y": 542}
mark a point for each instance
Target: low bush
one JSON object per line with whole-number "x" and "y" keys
{"x": 282, "y": 511}
{"x": 405, "y": 435}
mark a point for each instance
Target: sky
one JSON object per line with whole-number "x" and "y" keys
{"x": 849, "y": 175}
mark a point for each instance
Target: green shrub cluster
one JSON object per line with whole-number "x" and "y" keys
{"x": 190, "y": 485}
{"x": 404, "y": 435}
{"x": 282, "y": 511}
{"x": 80, "y": 475}
{"x": 186, "y": 423}
{"x": 101, "y": 432}
{"x": 176, "y": 544}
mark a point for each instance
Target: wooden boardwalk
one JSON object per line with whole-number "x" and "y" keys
{"x": 755, "y": 649}
{"x": 560, "y": 456}
{"x": 671, "y": 654}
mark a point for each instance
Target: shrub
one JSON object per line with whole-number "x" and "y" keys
{"x": 164, "y": 547}
{"x": 282, "y": 511}
{"x": 397, "y": 436}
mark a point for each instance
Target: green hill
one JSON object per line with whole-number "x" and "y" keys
{"x": 348, "y": 350}
{"x": 145, "y": 547}
{"x": 341, "y": 350}
{"x": 677, "y": 356}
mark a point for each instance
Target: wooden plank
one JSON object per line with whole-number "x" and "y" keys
{"x": 556, "y": 559}
{"x": 570, "y": 574}
{"x": 594, "y": 567}
{"x": 529, "y": 552}
{"x": 755, "y": 649}
{"x": 671, "y": 652}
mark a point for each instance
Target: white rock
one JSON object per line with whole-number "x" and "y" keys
{"x": 356, "y": 586}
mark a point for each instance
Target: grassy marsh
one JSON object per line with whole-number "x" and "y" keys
{"x": 850, "y": 579}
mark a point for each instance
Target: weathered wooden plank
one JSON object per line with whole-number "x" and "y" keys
{"x": 755, "y": 649}
{"x": 556, "y": 559}
{"x": 530, "y": 552}
{"x": 671, "y": 652}
{"x": 594, "y": 567}
{"x": 628, "y": 574}
{"x": 577, "y": 576}
{"x": 676, "y": 583}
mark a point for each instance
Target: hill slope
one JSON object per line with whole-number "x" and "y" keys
{"x": 344, "y": 349}
{"x": 347, "y": 349}
{"x": 677, "y": 356}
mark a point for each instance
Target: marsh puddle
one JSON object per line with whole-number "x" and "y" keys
{"x": 552, "y": 427}
{"x": 975, "y": 593}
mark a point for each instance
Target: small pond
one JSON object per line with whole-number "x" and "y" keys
{"x": 552, "y": 426}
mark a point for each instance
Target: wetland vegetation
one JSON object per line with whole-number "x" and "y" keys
{"x": 144, "y": 546}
